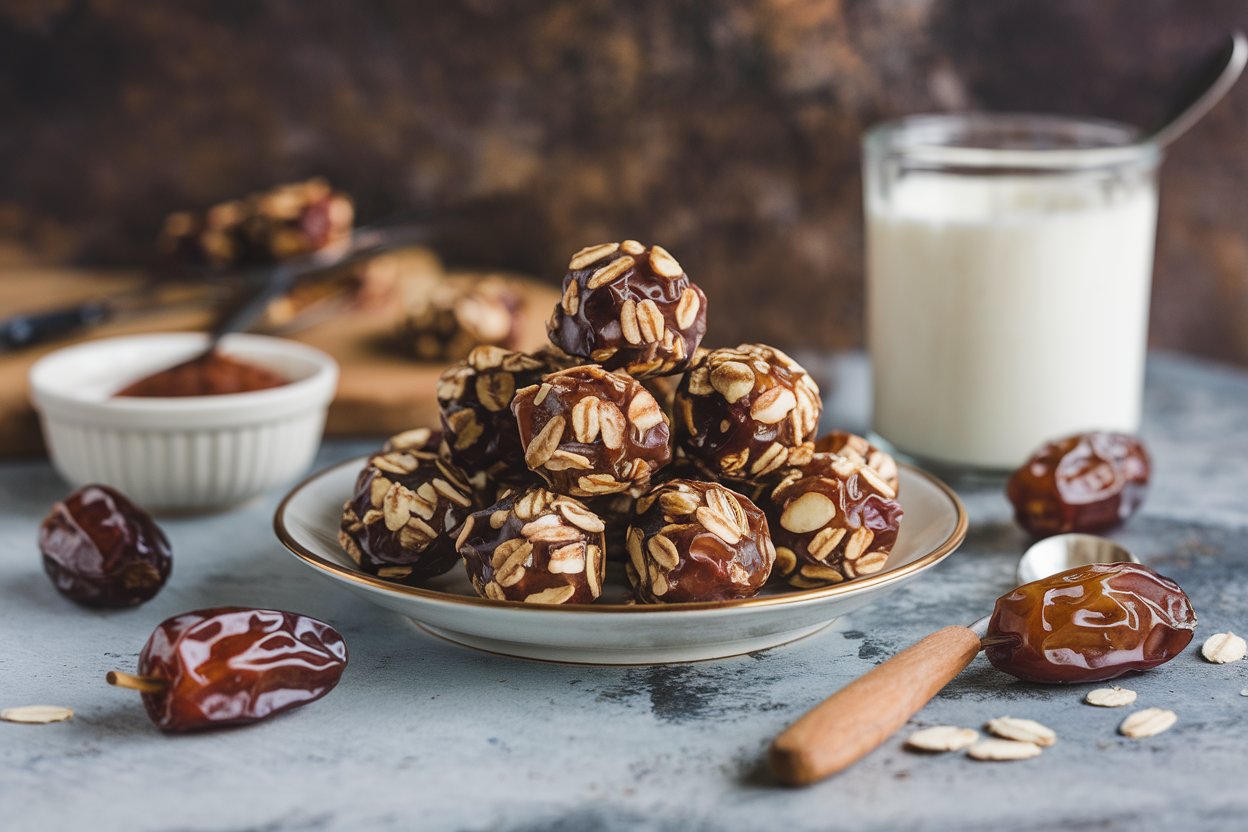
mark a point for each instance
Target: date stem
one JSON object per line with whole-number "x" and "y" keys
{"x": 143, "y": 684}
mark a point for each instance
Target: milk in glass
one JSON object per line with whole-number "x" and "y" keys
{"x": 1007, "y": 301}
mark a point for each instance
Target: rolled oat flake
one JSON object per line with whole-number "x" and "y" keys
{"x": 1021, "y": 730}
{"x": 36, "y": 714}
{"x": 1002, "y": 750}
{"x": 942, "y": 738}
{"x": 1112, "y": 697}
{"x": 1147, "y": 723}
{"x": 1222, "y": 648}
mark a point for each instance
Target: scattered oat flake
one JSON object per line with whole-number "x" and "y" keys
{"x": 1114, "y": 697}
{"x": 1000, "y": 750}
{"x": 1021, "y": 730}
{"x": 1221, "y": 648}
{"x": 942, "y": 738}
{"x": 1147, "y": 723}
{"x": 36, "y": 714}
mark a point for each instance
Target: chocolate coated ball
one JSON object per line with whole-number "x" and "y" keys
{"x": 697, "y": 541}
{"x": 745, "y": 413}
{"x": 629, "y": 307}
{"x": 832, "y": 519}
{"x": 588, "y": 432}
{"x": 401, "y": 520}
{"x": 859, "y": 449}
{"x": 475, "y": 400}
{"x": 537, "y": 547}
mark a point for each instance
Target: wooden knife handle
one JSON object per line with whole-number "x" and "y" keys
{"x": 856, "y": 719}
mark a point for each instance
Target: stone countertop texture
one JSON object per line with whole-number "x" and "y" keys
{"x": 421, "y": 734}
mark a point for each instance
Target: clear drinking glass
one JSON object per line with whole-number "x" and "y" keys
{"x": 1009, "y": 264}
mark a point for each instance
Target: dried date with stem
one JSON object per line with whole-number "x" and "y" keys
{"x": 233, "y": 666}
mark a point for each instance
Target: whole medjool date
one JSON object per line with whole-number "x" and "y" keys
{"x": 102, "y": 550}
{"x": 234, "y": 666}
{"x": 1083, "y": 483}
{"x": 1089, "y": 624}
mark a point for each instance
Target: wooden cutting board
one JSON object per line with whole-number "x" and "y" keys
{"x": 380, "y": 391}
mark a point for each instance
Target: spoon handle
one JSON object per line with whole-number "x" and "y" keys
{"x": 855, "y": 720}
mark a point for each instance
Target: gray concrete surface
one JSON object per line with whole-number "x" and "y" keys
{"x": 425, "y": 735}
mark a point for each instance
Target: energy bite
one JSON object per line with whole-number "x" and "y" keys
{"x": 448, "y": 320}
{"x": 588, "y": 432}
{"x": 855, "y": 447}
{"x": 629, "y": 307}
{"x": 745, "y": 413}
{"x": 262, "y": 228}
{"x": 832, "y": 519}
{"x": 535, "y": 546}
{"x": 474, "y": 397}
{"x": 697, "y": 541}
{"x": 400, "y": 522}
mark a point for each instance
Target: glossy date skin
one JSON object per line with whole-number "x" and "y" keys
{"x": 1090, "y": 624}
{"x": 101, "y": 550}
{"x": 1082, "y": 483}
{"x": 234, "y": 666}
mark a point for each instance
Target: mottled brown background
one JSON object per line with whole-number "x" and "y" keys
{"x": 726, "y": 130}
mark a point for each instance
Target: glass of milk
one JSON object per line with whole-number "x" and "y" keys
{"x": 1009, "y": 262}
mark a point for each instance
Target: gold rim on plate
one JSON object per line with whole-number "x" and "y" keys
{"x": 797, "y": 596}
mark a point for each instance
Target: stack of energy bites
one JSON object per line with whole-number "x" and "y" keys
{"x": 624, "y": 440}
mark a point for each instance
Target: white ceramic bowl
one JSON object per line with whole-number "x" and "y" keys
{"x": 609, "y": 632}
{"x": 187, "y": 453}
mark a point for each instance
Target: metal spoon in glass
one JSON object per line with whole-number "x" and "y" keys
{"x": 856, "y": 719}
{"x": 1206, "y": 88}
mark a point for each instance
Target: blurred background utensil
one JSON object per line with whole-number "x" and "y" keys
{"x": 30, "y": 329}
{"x": 266, "y": 284}
{"x": 242, "y": 296}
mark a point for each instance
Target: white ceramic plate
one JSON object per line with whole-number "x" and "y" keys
{"x": 610, "y": 632}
